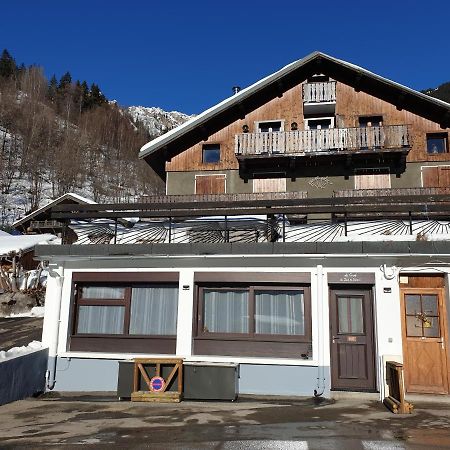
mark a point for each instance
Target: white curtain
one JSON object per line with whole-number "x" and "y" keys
{"x": 103, "y": 292}
{"x": 154, "y": 310}
{"x": 225, "y": 311}
{"x": 280, "y": 312}
{"x": 100, "y": 319}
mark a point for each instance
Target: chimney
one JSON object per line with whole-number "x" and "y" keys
{"x": 236, "y": 89}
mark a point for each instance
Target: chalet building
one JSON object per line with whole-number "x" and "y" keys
{"x": 304, "y": 238}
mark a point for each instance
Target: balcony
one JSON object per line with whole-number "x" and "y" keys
{"x": 319, "y": 92}
{"x": 382, "y": 144}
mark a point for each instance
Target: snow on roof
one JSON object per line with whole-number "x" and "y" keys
{"x": 67, "y": 196}
{"x": 173, "y": 134}
{"x": 10, "y": 244}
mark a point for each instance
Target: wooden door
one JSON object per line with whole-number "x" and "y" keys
{"x": 352, "y": 341}
{"x": 424, "y": 340}
{"x": 210, "y": 184}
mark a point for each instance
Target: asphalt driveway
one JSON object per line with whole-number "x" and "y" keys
{"x": 100, "y": 421}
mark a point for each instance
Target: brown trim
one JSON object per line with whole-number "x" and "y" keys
{"x": 351, "y": 278}
{"x": 250, "y": 344}
{"x": 128, "y": 277}
{"x": 121, "y": 344}
{"x": 252, "y": 277}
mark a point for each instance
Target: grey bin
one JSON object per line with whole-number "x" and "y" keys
{"x": 202, "y": 381}
{"x": 210, "y": 381}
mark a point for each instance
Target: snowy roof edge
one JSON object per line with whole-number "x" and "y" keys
{"x": 67, "y": 195}
{"x": 164, "y": 139}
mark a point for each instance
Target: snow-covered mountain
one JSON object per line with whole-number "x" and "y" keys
{"x": 156, "y": 120}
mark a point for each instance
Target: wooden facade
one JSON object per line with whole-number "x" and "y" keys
{"x": 288, "y": 109}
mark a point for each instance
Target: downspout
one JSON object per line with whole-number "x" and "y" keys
{"x": 52, "y": 321}
{"x": 320, "y": 369}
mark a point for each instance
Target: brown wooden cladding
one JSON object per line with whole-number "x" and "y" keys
{"x": 350, "y": 105}
{"x": 122, "y": 277}
{"x": 252, "y": 277}
{"x": 288, "y": 108}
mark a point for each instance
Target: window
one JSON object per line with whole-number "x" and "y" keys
{"x": 371, "y": 121}
{"x": 320, "y": 124}
{"x": 124, "y": 312}
{"x": 150, "y": 310}
{"x": 211, "y": 153}
{"x": 270, "y": 126}
{"x": 422, "y": 315}
{"x": 261, "y": 319}
{"x": 270, "y": 184}
{"x": 437, "y": 143}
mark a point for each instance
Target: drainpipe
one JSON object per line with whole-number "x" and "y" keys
{"x": 320, "y": 369}
{"x": 50, "y": 331}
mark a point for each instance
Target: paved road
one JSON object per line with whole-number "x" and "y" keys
{"x": 104, "y": 423}
{"x": 19, "y": 331}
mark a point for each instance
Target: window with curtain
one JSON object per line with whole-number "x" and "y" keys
{"x": 135, "y": 309}
{"x": 252, "y": 311}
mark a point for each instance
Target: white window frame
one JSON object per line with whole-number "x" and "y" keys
{"x": 258, "y": 122}
{"x": 332, "y": 118}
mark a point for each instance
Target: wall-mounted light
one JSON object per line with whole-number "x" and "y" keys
{"x": 245, "y": 128}
{"x": 294, "y": 126}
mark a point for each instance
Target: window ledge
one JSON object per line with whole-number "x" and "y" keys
{"x": 194, "y": 358}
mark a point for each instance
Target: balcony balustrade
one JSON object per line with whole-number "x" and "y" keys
{"x": 332, "y": 140}
{"x": 319, "y": 92}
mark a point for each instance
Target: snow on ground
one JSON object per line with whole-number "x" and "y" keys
{"x": 36, "y": 311}
{"x": 19, "y": 351}
{"x": 10, "y": 244}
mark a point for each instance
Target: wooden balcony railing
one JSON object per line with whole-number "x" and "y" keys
{"x": 319, "y": 92}
{"x": 326, "y": 140}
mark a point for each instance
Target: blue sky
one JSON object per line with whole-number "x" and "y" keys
{"x": 186, "y": 55}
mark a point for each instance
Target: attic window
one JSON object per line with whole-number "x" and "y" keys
{"x": 437, "y": 143}
{"x": 211, "y": 153}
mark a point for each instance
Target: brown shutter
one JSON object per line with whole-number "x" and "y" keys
{"x": 430, "y": 176}
{"x": 210, "y": 184}
{"x": 444, "y": 176}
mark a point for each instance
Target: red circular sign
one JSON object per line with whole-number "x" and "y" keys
{"x": 157, "y": 384}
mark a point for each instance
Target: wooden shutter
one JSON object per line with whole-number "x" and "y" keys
{"x": 436, "y": 176}
{"x": 210, "y": 184}
{"x": 269, "y": 185}
{"x": 373, "y": 181}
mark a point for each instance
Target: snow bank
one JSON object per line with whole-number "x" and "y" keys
{"x": 36, "y": 311}
{"x": 19, "y": 351}
{"x": 10, "y": 244}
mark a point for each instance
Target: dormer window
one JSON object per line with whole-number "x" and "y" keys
{"x": 437, "y": 143}
{"x": 269, "y": 126}
{"x": 211, "y": 154}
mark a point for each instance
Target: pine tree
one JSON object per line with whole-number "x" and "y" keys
{"x": 52, "y": 88}
{"x": 7, "y": 65}
{"x": 86, "y": 101}
{"x": 65, "y": 81}
{"x": 97, "y": 97}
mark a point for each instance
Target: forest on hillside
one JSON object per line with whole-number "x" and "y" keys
{"x": 59, "y": 136}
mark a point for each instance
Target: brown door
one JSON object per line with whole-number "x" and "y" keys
{"x": 424, "y": 340}
{"x": 352, "y": 342}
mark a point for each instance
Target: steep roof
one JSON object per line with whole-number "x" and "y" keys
{"x": 69, "y": 197}
{"x": 157, "y": 151}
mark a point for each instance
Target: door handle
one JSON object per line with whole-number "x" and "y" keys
{"x": 336, "y": 338}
